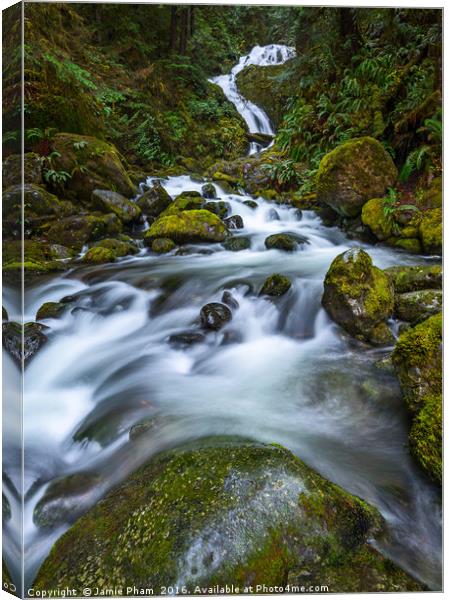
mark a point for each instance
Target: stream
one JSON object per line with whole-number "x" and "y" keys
{"x": 279, "y": 371}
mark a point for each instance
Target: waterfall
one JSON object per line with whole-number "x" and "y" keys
{"x": 256, "y": 118}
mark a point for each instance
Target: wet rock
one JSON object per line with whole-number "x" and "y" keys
{"x": 273, "y": 215}
{"x": 234, "y": 222}
{"x": 299, "y": 214}
{"x": 418, "y": 306}
{"x": 222, "y": 510}
{"x": 215, "y": 315}
{"x": 232, "y": 336}
{"x": 39, "y": 257}
{"x": 12, "y": 169}
{"x": 102, "y": 165}
{"x": 4, "y": 314}
{"x": 374, "y": 217}
{"x": 219, "y": 208}
{"x": 34, "y": 339}
{"x": 285, "y": 241}
{"x": 75, "y": 232}
{"x": 183, "y": 202}
{"x": 189, "y": 226}
{"x": 228, "y": 299}
{"x": 358, "y": 296}
{"x": 417, "y": 359}
{"x": 162, "y": 245}
{"x": 99, "y": 255}
{"x": 208, "y": 191}
{"x": 6, "y": 509}
{"x": 185, "y": 339}
{"x": 275, "y": 285}
{"x": 411, "y": 245}
{"x": 51, "y": 310}
{"x": 353, "y": 173}
{"x": 66, "y": 500}
{"x": 411, "y": 279}
{"x": 38, "y": 201}
{"x": 251, "y": 203}
{"x": 113, "y": 202}
{"x": 154, "y": 201}
{"x": 235, "y": 244}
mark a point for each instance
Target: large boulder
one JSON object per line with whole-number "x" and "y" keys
{"x": 92, "y": 163}
{"x": 352, "y": 174}
{"x": 113, "y": 202}
{"x": 188, "y": 226}
{"x": 417, "y": 359}
{"x": 374, "y": 217}
{"x": 74, "y": 232}
{"x": 285, "y": 241}
{"x": 358, "y": 296}
{"x": 182, "y": 203}
{"x": 411, "y": 279}
{"x": 39, "y": 256}
{"x": 33, "y": 339}
{"x": 218, "y": 512}
{"x": 154, "y": 201}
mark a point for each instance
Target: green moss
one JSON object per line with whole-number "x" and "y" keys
{"x": 410, "y": 279}
{"x": 417, "y": 359}
{"x": 431, "y": 231}
{"x": 417, "y": 306}
{"x": 50, "y": 310}
{"x": 373, "y": 216}
{"x": 408, "y": 244}
{"x": 357, "y": 295}
{"x": 174, "y": 521}
{"x": 181, "y": 203}
{"x": 162, "y": 245}
{"x": 74, "y": 232}
{"x": 98, "y": 255}
{"x": 39, "y": 257}
{"x": 353, "y": 173}
{"x": 275, "y": 285}
{"x": 188, "y": 226}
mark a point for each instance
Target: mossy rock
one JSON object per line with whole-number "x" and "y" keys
{"x": 215, "y": 316}
{"x": 38, "y": 202}
{"x": 214, "y": 512}
{"x": 418, "y": 306}
{"x": 51, "y": 310}
{"x": 417, "y": 359}
{"x": 284, "y": 241}
{"x": 154, "y": 201}
{"x": 358, "y": 296}
{"x": 12, "y": 169}
{"x": 209, "y": 191}
{"x": 412, "y": 245}
{"x": 353, "y": 173}
{"x": 219, "y": 208}
{"x": 411, "y": 279}
{"x": 182, "y": 203}
{"x": 108, "y": 250}
{"x": 162, "y": 245}
{"x": 373, "y": 216}
{"x": 275, "y": 285}
{"x": 33, "y": 339}
{"x": 113, "y": 202}
{"x": 74, "y": 232}
{"x": 188, "y": 226}
{"x": 431, "y": 231}
{"x": 121, "y": 247}
{"x": 236, "y": 244}
{"x": 93, "y": 163}
{"x": 39, "y": 257}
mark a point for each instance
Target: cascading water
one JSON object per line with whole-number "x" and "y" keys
{"x": 278, "y": 372}
{"x": 256, "y": 119}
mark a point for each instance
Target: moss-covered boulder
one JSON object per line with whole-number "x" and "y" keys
{"x": 418, "y": 306}
{"x": 275, "y": 285}
{"x": 411, "y": 279}
{"x": 285, "y": 241}
{"x": 431, "y": 231}
{"x": 163, "y": 245}
{"x": 353, "y": 173}
{"x": 39, "y": 257}
{"x": 373, "y": 216}
{"x": 33, "y": 339}
{"x": 74, "y": 232}
{"x": 219, "y": 208}
{"x": 12, "y": 169}
{"x": 65, "y": 500}
{"x": 113, "y": 202}
{"x": 50, "y": 310}
{"x": 99, "y": 255}
{"x": 154, "y": 201}
{"x": 188, "y": 226}
{"x": 38, "y": 202}
{"x": 92, "y": 163}
{"x": 417, "y": 359}
{"x": 182, "y": 203}
{"x": 209, "y": 191}
{"x": 215, "y": 512}
{"x": 411, "y": 245}
{"x": 358, "y": 296}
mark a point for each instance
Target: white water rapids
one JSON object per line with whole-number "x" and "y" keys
{"x": 278, "y": 372}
